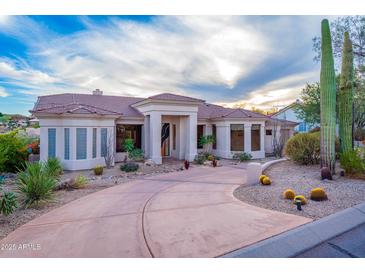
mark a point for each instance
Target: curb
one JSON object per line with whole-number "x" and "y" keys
{"x": 300, "y": 239}
{"x": 270, "y": 163}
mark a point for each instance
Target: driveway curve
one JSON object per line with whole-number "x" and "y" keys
{"x": 181, "y": 214}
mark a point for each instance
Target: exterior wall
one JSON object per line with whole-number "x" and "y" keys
{"x": 72, "y": 123}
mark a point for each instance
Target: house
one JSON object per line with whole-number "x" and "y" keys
{"x": 81, "y": 129}
{"x": 288, "y": 113}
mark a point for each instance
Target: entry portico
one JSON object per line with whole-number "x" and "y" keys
{"x": 180, "y": 115}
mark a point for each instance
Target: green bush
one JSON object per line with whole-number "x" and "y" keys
{"x": 352, "y": 162}
{"x": 136, "y": 154}
{"x": 35, "y": 184}
{"x": 200, "y": 158}
{"x": 8, "y": 203}
{"x": 129, "y": 167}
{"x": 79, "y": 182}
{"x": 128, "y": 145}
{"x": 242, "y": 156}
{"x": 53, "y": 167}
{"x": 13, "y": 152}
{"x": 98, "y": 170}
{"x": 304, "y": 148}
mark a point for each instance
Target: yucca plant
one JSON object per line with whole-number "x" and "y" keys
{"x": 8, "y": 203}
{"x": 53, "y": 167}
{"x": 35, "y": 184}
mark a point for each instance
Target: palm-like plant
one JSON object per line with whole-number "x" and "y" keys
{"x": 207, "y": 142}
{"x": 35, "y": 184}
{"x": 53, "y": 168}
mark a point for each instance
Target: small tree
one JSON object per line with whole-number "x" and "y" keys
{"x": 207, "y": 142}
{"x": 278, "y": 141}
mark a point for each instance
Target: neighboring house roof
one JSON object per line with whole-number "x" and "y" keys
{"x": 121, "y": 105}
{"x": 285, "y": 108}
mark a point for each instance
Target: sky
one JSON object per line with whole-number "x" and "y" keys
{"x": 261, "y": 61}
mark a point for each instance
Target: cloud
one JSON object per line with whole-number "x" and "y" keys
{"x": 3, "y": 92}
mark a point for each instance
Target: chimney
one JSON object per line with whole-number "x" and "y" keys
{"x": 97, "y": 92}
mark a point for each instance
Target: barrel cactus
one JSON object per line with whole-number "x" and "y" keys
{"x": 328, "y": 100}
{"x": 318, "y": 194}
{"x": 289, "y": 194}
{"x": 266, "y": 181}
{"x": 345, "y": 96}
{"x": 261, "y": 178}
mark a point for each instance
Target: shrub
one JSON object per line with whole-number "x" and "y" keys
{"x": 352, "y": 162}
{"x": 318, "y": 194}
{"x": 266, "y": 181}
{"x": 210, "y": 157}
{"x": 79, "y": 182}
{"x": 35, "y": 184}
{"x": 200, "y": 158}
{"x": 136, "y": 154}
{"x": 261, "y": 178}
{"x": 129, "y": 167}
{"x": 242, "y": 156}
{"x": 304, "y": 148}
{"x": 8, "y": 203}
{"x": 53, "y": 168}
{"x": 98, "y": 170}
{"x": 13, "y": 152}
{"x": 128, "y": 145}
{"x": 289, "y": 194}
{"x": 301, "y": 198}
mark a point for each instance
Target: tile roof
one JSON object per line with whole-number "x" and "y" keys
{"x": 121, "y": 105}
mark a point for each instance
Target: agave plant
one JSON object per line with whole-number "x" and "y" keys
{"x": 53, "y": 168}
{"x": 35, "y": 184}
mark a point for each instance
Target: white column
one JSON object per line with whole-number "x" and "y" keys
{"x": 146, "y": 136}
{"x": 247, "y": 133}
{"x": 191, "y": 137}
{"x": 223, "y": 140}
{"x": 155, "y": 137}
{"x": 44, "y": 143}
{"x": 262, "y": 139}
{"x": 60, "y": 138}
{"x": 89, "y": 143}
{"x": 181, "y": 140}
{"x": 72, "y": 143}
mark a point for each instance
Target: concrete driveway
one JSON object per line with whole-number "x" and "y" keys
{"x": 181, "y": 214}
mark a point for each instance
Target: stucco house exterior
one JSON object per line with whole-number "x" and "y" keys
{"x": 80, "y": 129}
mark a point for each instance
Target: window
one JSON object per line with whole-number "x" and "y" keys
{"x": 103, "y": 141}
{"x": 200, "y": 133}
{"x": 174, "y": 137}
{"x": 67, "y": 144}
{"x": 214, "y": 133}
{"x": 51, "y": 143}
{"x": 269, "y": 132}
{"x": 128, "y": 132}
{"x": 81, "y": 143}
{"x": 94, "y": 142}
{"x": 255, "y": 138}
{"x": 237, "y": 138}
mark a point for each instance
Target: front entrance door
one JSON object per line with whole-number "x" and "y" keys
{"x": 165, "y": 139}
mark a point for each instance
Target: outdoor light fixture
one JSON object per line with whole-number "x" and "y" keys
{"x": 298, "y": 202}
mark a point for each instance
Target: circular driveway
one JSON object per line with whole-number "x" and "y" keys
{"x": 181, "y": 214}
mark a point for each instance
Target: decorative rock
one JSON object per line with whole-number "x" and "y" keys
{"x": 254, "y": 170}
{"x": 326, "y": 173}
{"x": 149, "y": 163}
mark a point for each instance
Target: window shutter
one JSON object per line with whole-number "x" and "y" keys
{"x": 94, "y": 142}
{"x": 51, "y": 143}
{"x": 103, "y": 141}
{"x": 67, "y": 144}
{"x": 81, "y": 145}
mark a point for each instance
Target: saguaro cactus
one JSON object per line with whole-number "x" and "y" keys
{"x": 345, "y": 96}
{"x": 328, "y": 100}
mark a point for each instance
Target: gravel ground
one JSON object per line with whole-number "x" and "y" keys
{"x": 342, "y": 192}
{"x": 110, "y": 178}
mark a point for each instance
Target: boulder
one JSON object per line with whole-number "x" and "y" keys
{"x": 254, "y": 171}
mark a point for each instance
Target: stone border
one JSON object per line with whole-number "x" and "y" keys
{"x": 298, "y": 240}
{"x": 270, "y": 163}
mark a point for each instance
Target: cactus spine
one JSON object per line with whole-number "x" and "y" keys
{"x": 345, "y": 96}
{"x": 328, "y": 100}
